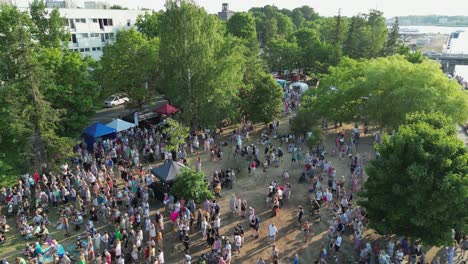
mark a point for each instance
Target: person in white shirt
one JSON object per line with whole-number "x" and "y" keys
{"x": 187, "y": 259}
{"x": 272, "y": 232}
{"x": 237, "y": 243}
{"x": 149, "y": 180}
{"x": 338, "y": 241}
{"x": 329, "y": 197}
{"x": 160, "y": 257}
{"x": 318, "y": 195}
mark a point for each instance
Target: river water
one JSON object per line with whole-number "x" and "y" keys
{"x": 457, "y": 46}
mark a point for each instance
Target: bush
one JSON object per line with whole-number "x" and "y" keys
{"x": 191, "y": 185}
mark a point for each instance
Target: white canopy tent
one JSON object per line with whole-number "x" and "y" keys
{"x": 299, "y": 86}
{"x": 120, "y": 125}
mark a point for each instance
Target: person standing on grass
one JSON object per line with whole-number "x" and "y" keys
{"x": 306, "y": 229}
{"x": 300, "y": 214}
{"x": 296, "y": 259}
{"x": 254, "y": 224}
{"x": 272, "y": 232}
{"x": 274, "y": 254}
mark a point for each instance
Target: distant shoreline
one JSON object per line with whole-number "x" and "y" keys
{"x": 429, "y": 25}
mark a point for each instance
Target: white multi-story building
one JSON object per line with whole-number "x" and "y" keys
{"x": 91, "y": 29}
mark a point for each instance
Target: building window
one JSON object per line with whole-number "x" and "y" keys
{"x": 93, "y": 49}
{"x": 86, "y": 49}
{"x": 77, "y": 20}
{"x": 83, "y": 20}
{"x": 98, "y": 48}
{"x": 72, "y": 23}
{"x": 94, "y": 35}
{"x": 81, "y": 50}
{"x": 129, "y": 22}
{"x": 111, "y": 36}
{"x": 110, "y": 22}
{"x": 101, "y": 23}
{"x": 84, "y": 35}
{"x": 95, "y": 20}
{"x": 68, "y": 22}
{"x": 73, "y": 38}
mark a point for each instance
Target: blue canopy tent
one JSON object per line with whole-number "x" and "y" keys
{"x": 120, "y": 125}
{"x": 96, "y": 130}
{"x": 282, "y": 83}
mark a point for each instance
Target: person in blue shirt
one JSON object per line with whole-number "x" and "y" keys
{"x": 296, "y": 259}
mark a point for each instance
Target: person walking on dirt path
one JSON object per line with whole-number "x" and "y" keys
{"x": 272, "y": 232}
{"x": 306, "y": 229}
{"x": 300, "y": 214}
{"x": 254, "y": 224}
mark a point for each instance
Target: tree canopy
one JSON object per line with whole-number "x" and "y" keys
{"x": 130, "y": 65}
{"x": 148, "y": 24}
{"x": 177, "y": 134}
{"x": 46, "y": 92}
{"x": 263, "y": 103}
{"x": 419, "y": 187}
{"x": 201, "y": 66}
{"x": 191, "y": 185}
{"x": 383, "y": 90}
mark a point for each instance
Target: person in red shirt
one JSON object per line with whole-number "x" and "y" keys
{"x": 108, "y": 257}
{"x": 147, "y": 252}
{"x": 36, "y": 177}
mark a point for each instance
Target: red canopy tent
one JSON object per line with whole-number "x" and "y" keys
{"x": 166, "y": 109}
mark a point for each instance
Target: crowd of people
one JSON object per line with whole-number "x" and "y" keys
{"x": 103, "y": 200}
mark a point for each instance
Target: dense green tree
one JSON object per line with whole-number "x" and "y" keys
{"x": 418, "y": 188}
{"x": 378, "y": 33}
{"x": 308, "y": 13}
{"x": 282, "y": 54}
{"x": 201, "y": 66}
{"x": 177, "y": 134}
{"x": 298, "y": 18}
{"x": 357, "y": 38}
{"x": 48, "y": 27}
{"x": 285, "y": 25}
{"x": 384, "y": 90}
{"x": 191, "y": 185}
{"x": 271, "y": 23}
{"x": 148, "y": 24}
{"x": 392, "y": 44}
{"x": 71, "y": 87}
{"x": 130, "y": 65}
{"x": 242, "y": 25}
{"x": 29, "y": 131}
{"x": 264, "y": 102}
{"x": 313, "y": 53}
{"x": 366, "y": 36}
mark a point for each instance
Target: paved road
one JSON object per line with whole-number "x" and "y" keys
{"x": 106, "y": 115}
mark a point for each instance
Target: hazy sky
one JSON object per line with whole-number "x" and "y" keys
{"x": 323, "y": 7}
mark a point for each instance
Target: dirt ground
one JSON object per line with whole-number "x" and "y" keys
{"x": 254, "y": 188}
{"x": 290, "y": 238}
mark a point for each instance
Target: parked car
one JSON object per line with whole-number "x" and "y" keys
{"x": 116, "y": 99}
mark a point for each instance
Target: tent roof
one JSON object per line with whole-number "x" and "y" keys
{"x": 168, "y": 171}
{"x": 300, "y": 84}
{"x": 120, "y": 125}
{"x": 166, "y": 109}
{"x": 97, "y": 129}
